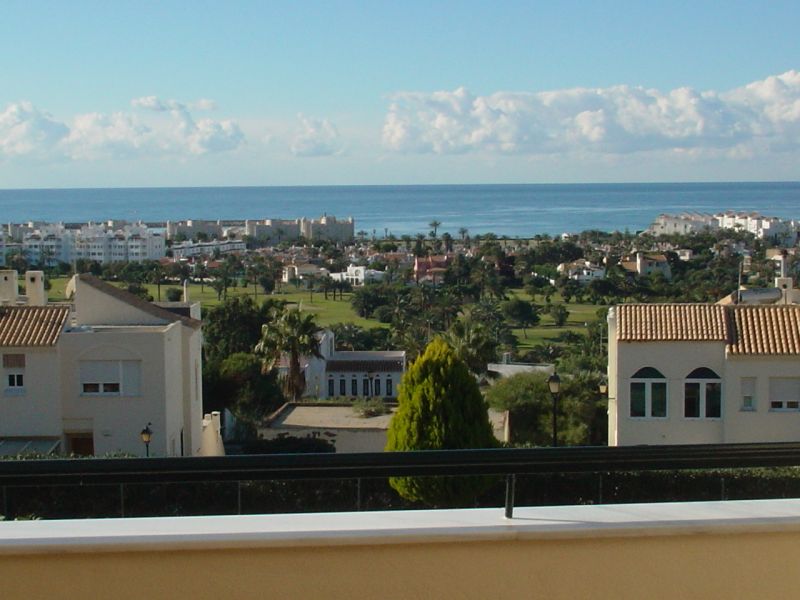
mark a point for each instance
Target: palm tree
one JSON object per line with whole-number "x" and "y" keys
{"x": 292, "y": 334}
{"x": 463, "y": 231}
{"x": 434, "y": 225}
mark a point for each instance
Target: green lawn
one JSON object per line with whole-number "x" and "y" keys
{"x": 546, "y": 331}
{"x": 329, "y": 312}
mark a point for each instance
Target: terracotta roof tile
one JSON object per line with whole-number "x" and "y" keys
{"x": 24, "y": 326}
{"x": 765, "y": 330}
{"x": 671, "y": 322}
{"x": 745, "y": 329}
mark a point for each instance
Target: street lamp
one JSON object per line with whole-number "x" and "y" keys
{"x": 147, "y": 435}
{"x": 603, "y": 388}
{"x": 554, "y": 383}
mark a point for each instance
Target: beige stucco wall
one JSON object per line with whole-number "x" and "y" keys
{"x": 38, "y": 411}
{"x": 117, "y": 420}
{"x": 675, "y": 360}
{"x": 761, "y": 424}
{"x": 749, "y": 565}
{"x": 96, "y": 308}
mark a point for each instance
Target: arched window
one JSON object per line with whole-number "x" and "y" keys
{"x": 330, "y": 387}
{"x": 702, "y": 395}
{"x": 648, "y": 394}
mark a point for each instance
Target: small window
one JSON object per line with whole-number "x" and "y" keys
{"x": 388, "y": 386}
{"x": 354, "y": 387}
{"x": 377, "y": 387}
{"x": 748, "y": 387}
{"x": 330, "y": 387}
{"x": 16, "y": 380}
{"x": 342, "y": 387}
{"x": 91, "y": 388}
{"x": 365, "y": 386}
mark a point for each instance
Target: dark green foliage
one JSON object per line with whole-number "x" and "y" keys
{"x": 288, "y": 445}
{"x": 234, "y": 326}
{"x": 174, "y": 294}
{"x": 560, "y": 314}
{"x": 580, "y": 410}
{"x": 440, "y": 407}
{"x": 139, "y": 290}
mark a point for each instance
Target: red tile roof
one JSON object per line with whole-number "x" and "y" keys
{"x": 25, "y": 326}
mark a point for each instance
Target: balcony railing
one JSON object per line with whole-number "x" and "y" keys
{"x": 126, "y": 474}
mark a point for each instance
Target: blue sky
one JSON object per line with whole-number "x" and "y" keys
{"x": 256, "y": 93}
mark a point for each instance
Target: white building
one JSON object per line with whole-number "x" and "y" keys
{"x": 54, "y": 243}
{"x": 351, "y": 374}
{"x": 189, "y": 249}
{"x": 358, "y": 276}
{"x": 582, "y": 271}
{"x": 87, "y": 378}
{"x": 760, "y": 226}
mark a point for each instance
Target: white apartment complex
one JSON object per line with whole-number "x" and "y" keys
{"x": 87, "y": 378}
{"x": 51, "y": 244}
{"x": 273, "y": 231}
{"x": 762, "y": 227}
{"x": 190, "y": 249}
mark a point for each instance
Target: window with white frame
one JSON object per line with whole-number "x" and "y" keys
{"x": 702, "y": 395}
{"x": 648, "y": 394}
{"x": 110, "y": 377}
{"x": 784, "y": 393}
{"x": 748, "y": 388}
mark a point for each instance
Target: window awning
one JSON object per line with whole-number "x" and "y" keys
{"x": 16, "y": 446}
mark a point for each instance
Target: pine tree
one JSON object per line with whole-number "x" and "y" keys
{"x": 440, "y": 408}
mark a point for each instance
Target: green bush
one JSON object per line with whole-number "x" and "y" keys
{"x": 440, "y": 407}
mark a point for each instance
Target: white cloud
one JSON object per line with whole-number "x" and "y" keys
{"x": 27, "y": 131}
{"x": 316, "y": 137}
{"x": 760, "y": 117}
{"x": 160, "y": 128}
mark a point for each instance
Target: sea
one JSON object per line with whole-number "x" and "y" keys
{"x": 506, "y": 210}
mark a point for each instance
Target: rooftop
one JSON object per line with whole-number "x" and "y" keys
{"x": 27, "y": 326}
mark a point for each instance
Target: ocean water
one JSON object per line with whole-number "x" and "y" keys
{"x": 510, "y": 210}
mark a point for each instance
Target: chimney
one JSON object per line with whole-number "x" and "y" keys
{"x": 9, "y": 289}
{"x": 784, "y": 283}
{"x": 34, "y": 288}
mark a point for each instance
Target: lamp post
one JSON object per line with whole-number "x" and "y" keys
{"x": 554, "y": 383}
{"x": 147, "y": 435}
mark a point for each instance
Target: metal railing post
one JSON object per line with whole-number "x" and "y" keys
{"x": 122, "y": 500}
{"x": 511, "y": 482}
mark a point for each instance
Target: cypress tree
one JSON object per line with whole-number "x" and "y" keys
{"x": 440, "y": 408}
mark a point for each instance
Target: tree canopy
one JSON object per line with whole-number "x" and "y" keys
{"x": 440, "y": 407}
